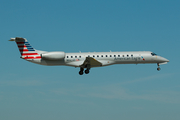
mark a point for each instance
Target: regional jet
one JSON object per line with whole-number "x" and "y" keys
{"x": 85, "y": 60}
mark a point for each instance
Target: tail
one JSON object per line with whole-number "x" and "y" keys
{"x": 26, "y": 50}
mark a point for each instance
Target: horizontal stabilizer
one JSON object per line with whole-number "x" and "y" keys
{"x": 18, "y": 39}
{"x": 12, "y": 39}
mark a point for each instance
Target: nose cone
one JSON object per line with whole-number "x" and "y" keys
{"x": 162, "y": 60}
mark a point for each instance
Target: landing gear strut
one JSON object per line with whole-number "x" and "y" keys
{"x": 158, "y": 67}
{"x": 81, "y": 71}
{"x": 88, "y": 68}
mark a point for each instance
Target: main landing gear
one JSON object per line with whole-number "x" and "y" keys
{"x": 158, "y": 67}
{"x": 82, "y": 71}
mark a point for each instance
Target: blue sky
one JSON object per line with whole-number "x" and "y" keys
{"x": 30, "y": 91}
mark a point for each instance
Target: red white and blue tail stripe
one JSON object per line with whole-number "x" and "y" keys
{"x": 26, "y": 50}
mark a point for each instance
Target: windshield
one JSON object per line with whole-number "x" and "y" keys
{"x": 153, "y": 54}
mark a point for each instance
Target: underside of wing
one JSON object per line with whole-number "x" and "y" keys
{"x": 91, "y": 62}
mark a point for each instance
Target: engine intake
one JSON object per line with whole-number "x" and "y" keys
{"x": 53, "y": 55}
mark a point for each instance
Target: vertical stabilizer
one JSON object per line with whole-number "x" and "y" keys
{"x": 25, "y": 49}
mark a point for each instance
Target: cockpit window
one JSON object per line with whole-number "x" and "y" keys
{"x": 153, "y": 54}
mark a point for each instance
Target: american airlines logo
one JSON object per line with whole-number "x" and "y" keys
{"x": 128, "y": 58}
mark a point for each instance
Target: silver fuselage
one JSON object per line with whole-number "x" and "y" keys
{"x": 106, "y": 58}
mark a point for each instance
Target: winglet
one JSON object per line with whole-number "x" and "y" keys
{"x": 12, "y": 39}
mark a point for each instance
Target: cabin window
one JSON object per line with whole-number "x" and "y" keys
{"x": 71, "y": 56}
{"x": 93, "y": 55}
{"x": 101, "y": 55}
{"x": 127, "y": 55}
{"x": 110, "y": 56}
{"x": 118, "y": 55}
{"x": 106, "y": 56}
{"x": 123, "y": 55}
{"x": 88, "y": 55}
{"x": 131, "y": 55}
{"x": 97, "y": 55}
{"x": 75, "y": 56}
{"x": 67, "y": 56}
{"x": 79, "y": 56}
{"x": 114, "y": 55}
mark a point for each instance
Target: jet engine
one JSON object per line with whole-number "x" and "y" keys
{"x": 53, "y": 55}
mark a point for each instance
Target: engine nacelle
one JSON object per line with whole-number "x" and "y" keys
{"x": 53, "y": 55}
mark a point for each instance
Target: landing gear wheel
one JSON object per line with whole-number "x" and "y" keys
{"x": 80, "y": 72}
{"x": 158, "y": 68}
{"x": 86, "y": 71}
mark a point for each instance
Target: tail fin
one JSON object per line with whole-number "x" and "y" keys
{"x": 26, "y": 50}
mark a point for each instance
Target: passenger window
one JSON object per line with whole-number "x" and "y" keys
{"x": 101, "y": 55}
{"x": 114, "y": 55}
{"x": 93, "y": 55}
{"x": 97, "y": 55}
{"x": 127, "y": 55}
{"x": 110, "y": 56}
{"x": 118, "y": 55}
{"x": 79, "y": 56}
{"x": 71, "y": 56}
{"x": 131, "y": 55}
{"x": 106, "y": 56}
{"x": 75, "y": 56}
{"x": 88, "y": 55}
{"x": 123, "y": 55}
{"x": 67, "y": 56}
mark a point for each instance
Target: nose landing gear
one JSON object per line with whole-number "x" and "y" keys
{"x": 158, "y": 67}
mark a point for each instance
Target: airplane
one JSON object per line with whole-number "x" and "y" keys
{"x": 86, "y": 60}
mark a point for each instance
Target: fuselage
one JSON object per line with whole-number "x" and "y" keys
{"x": 106, "y": 58}
{"x": 86, "y": 60}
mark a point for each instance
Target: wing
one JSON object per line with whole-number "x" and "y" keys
{"x": 91, "y": 62}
